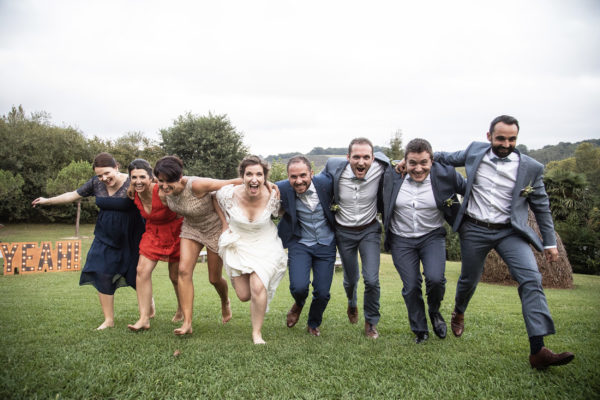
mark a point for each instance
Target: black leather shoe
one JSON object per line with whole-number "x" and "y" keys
{"x": 421, "y": 337}
{"x": 439, "y": 325}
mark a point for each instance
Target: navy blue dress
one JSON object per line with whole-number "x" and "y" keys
{"x": 113, "y": 256}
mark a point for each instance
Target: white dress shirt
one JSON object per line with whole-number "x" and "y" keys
{"x": 492, "y": 190}
{"x": 358, "y": 197}
{"x": 415, "y": 212}
{"x": 310, "y": 198}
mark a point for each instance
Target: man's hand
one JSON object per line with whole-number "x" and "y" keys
{"x": 272, "y": 187}
{"x": 400, "y": 166}
{"x": 551, "y": 254}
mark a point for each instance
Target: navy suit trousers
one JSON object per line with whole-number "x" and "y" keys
{"x": 321, "y": 259}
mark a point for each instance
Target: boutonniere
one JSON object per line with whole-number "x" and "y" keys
{"x": 450, "y": 201}
{"x": 334, "y": 207}
{"x": 527, "y": 190}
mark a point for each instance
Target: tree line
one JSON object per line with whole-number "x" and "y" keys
{"x": 38, "y": 158}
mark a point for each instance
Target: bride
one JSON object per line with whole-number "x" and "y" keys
{"x": 249, "y": 246}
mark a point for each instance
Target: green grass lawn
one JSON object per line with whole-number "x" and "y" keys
{"x": 49, "y": 348}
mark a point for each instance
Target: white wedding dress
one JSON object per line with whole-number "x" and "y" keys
{"x": 252, "y": 246}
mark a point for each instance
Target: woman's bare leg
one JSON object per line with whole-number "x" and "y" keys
{"x": 215, "y": 276}
{"x": 174, "y": 276}
{"x": 107, "y": 302}
{"x": 258, "y": 307}
{"x": 143, "y": 283}
{"x": 185, "y": 285}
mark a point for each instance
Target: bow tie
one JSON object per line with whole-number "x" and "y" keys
{"x": 355, "y": 179}
{"x": 306, "y": 194}
{"x": 496, "y": 160}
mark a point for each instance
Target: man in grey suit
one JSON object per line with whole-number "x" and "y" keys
{"x": 501, "y": 186}
{"x": 415, "y": 207}
{"x": 357, "y": 187}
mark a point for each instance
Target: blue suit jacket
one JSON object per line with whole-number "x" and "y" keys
{"x": 336, "y": 165}
{"x": 289, "y": 227}
{"x": 530, "y": 173}
{"x": 445, "y": 182}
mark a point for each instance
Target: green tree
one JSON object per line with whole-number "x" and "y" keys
{"x": 278, "y": 171}
{"x": 395, "y": 151}
{"x": 134, "y": 145}
{"x": 11, "y": 196}
{"x": 208, "y": 145}
{"x": 36, "y": 150}
{"x": 68, "y": 179}
{"x": 587, "y": 160}
{"x": 575, "y": 218}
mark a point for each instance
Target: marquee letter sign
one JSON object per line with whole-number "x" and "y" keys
{"x": 29, "y": 257}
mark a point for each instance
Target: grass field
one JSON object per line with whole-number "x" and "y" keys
{"x": 49, "y": 348}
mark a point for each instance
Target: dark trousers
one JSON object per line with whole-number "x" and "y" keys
{"x": 407, "y": 254}
{"x": 321, "y": 259}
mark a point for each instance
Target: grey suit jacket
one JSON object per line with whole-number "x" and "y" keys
{"x": 336, "y": 165}
{"x": 530, "y": 173}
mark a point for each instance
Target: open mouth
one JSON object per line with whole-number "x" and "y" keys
{"x": 253, "y": 188}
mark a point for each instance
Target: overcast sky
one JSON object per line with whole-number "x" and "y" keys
{"x": 292, "y": 75}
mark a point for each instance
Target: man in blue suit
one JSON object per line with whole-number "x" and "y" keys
{"x": 501, "y": 186}
{"x": 357, "y": 187}
{"x": 415, "y": 207}
{"x": 307, "y": 231}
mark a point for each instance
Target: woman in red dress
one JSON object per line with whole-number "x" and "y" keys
{"x": 160, "y": 242}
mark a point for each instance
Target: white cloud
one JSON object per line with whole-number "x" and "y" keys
{"x": 292, "y": 75}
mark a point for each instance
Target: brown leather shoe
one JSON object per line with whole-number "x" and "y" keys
{"x": 293, "y": 315}
{"x": 313, "y": 331}
{"x": 371, "y": 331}
{"x": 352, "y": 314}
{"x": 457, "y": 323}
{"x": 546, "y": 358}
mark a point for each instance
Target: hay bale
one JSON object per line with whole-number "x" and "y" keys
{"x": 558, "y": 274}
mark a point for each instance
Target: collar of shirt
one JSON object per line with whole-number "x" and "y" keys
{"x": 374, "y": 171}
{"x": 412, "y": 181}
{"x": 310, "y": 197}
{"x": 491, "y": 156}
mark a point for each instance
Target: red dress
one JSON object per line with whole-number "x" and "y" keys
{"x": 161, "y": 240}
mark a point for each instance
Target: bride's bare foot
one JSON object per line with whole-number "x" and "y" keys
{"x": 257, "y": 339}
{"x": 139, "y": 326}
{"x": 178, "y": 317}
{"x": 106, "y": 324}
{"x": 226, "y": 311}
{"x": 153, "y": 309}
{"x": 184, "y": 330}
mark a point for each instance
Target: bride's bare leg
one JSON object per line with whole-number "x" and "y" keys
{"x": 107, "y": 302}
{"x": 143, "y": 283}
{"x": 173, "y": 275}
{"x": 215, "y": 276}
{"x": 189, "y": 254}
{"x": 258, "y": 307}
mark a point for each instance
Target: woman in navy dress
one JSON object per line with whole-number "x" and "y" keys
{"x": 113, "y": 256}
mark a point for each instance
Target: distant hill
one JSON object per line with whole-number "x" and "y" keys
{"x": 318, "y": 155}
{"x": 558, "y": 152}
